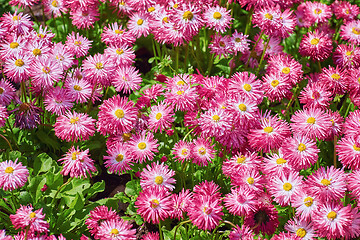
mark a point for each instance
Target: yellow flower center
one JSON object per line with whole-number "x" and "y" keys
{"x": 142, "y": 145}
{"x": 348, "y": 53}
{"x": 54, "y": 3}
{"x": 126, "y": 136}
{"x": 356, "y": 30}
{"x": 242, "y": 107}
{"x": 335, "y": 76}
{"x": 308, "y": 201}
{"x": 325, "y": 182}
{"x": 207, "y": 210}
{"x": 119, "y": 113}
{"x": 311, "y": 120}
{"x": 140, "y": 22}
{"x": 46, "y": 70}
{"x": 332, "y": 215}
{"x": 314, "y": 41}
{"x": 217, "y": 15}
{"x": 19, "y": 63}
{"x": 347, "y": 11}
{"x": 14, "y": 45}
{"x": 159, "y": 180}
{"x": 74, "y": 155}
{"x": 268, "y": 129}
{"x": 285, "y": 70}
{"x": 250, "y": 180}
{"x": 166, "y": 19}
{"x": 301, "y": 232}
{"x": 151, "y": 9}
{"x": 202, "y": 151}
{"x": 181, "y": 82}
{"x": 301, "y": 147}
{"x": 158, "y": 116}
{"x": 119, "y": 51}
{"x": 74, "y": 120}
{"x": 117, "y": 31}
{"x": 237, "y": 40}
{"x": 356, "y": 148}
{"x": 77, "y": 88}
{"x": 9, "y": 170}
{"x": 180, "y": 92}
{"x": 15, "y": 18}
{"x": 216, "y": 118}
{"x": 274, "y": 83}
{"x": 241, "y": 159}
{"x": 317, "y": 11}
{"x": 77, "y": 43}
{"x": 154, "y": 203}
{"x": 114, "y": 231}
{"x": 99, "y": 65}
{"x": 119, "y": 157}
{"x": 184, "y": 152}
{"x": 1, "y": 90}
{"x": 36, "y": 52}
{"x": 247, "y": 87}
{"x": 287, "y": 186}
{"x": 188, "y": 15}
{"x": 280, "y": 161}
{"x": 175, "y": 5}
{"x": 269, "y": 16}
{"x": 32, "y": 215}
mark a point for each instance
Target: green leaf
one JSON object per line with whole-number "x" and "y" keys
{"x": 78, "y": 202}
{"x": 132, "y": 188}
{"x": 42, "y": 163}
{"x": 97, "y": 187}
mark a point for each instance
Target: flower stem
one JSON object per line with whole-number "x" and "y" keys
{"x": 262, "y": 55}
{"x": 59, "y": 189}
{"x": 253, "y": 49}
{"x": 160, "y": 231}
{"x": 182, "y": 223}
{"x": 6, "y": 141}
{"x": 248, "y": 23}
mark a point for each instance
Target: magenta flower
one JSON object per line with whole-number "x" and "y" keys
{"x": 157, "y": 175}
{"x": 25, "y": 217}
{"x": 116, "y": 229}
{"x": 143, "y": 146}
{"x": 13, "y": 175}
{"x": 119, "y": 159}
{"x": 97, "y": 215}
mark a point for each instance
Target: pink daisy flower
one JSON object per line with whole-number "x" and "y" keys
{"x": 336, "y": 124}
{"x": 301, "y": 228}
{"x": 351, "y": 31}
{"x": 98, "y": 215}
{"x": 120, "y": 55}
{"x": 264, "y": 218}
{"x": 182, "y": 151}
{"x": 98, "y": 69}
{"x": 14, "y": 45}
{"x": 247, "y": 85}
{"x": 180, "y": 203}
{"x": 80, "y": 90}
{"x": 28, "y": 218}
{"x": 126, "y": 79}
{"x": 315, "y": 95}
{"x": 183, "y": 97}
{"x": 305, "y": 203}
{"x": 267, "y": 19}
{"x": 17, "y": 68}
{"x": 275, "y": 164}
{"x": 7, "y": 92}
{"x": 347, "y": 56}
{"x": 84, "y": 18}
{"x": 205, "y": 211}
{"x": 284, "y": 186}
{"x": 45, "y": 72}
{"x": 239, "y": 162}
{"x": 77, "y": 44}
{"x": 333, "y": 79}
{"x": 317, "y": 12}
{"x": 117, "y": 116}
{"x": 160, "y": 117}
{"x": 241, "y": 233}
{"x": 119, "y": 159}
{"x": 157, "y": 175}
{"x": 154, "y": 204}
{"x": 73, "y": 126}
{"x": 345, "y": 10}
{"x": 143, "y": 146}
{"x": 115, "y": 34}
{"x": 217, "y": 18}
{"x": 286, "y": 66}
{"x": 249, "y": 179}
{"x": 139, "y": 24}
{"x": 77, "y": 163}
{"x": 62, "y": 56}
{"x": 332, "y": 220}
{"x": 188, "y": 18}
{"x": 240, "y": 42}
{"x": 3, "y": 235}
{"x": 54, "y": 7}
{"x": 116, "y": 229}
{"x": 202, "y": 152}
{"x": 215, "y": 122}
{"x": 311, "y": 123}
{"x": 151, "y": 236}
{"x": 300, "y": 152}
{"x": 352, "y": 124}
{"x": 316, "y": 45}
{"x": 328, "y": 184}
{"x": 273, "y": 48}
{"x": 221, "y": 45}
{"x": 353, "y": 184}
{"x": 276, "y": 86}
{"x": 18, "y": 23}
{"x": 240, "y": 201}
{"x": 270, "y": 134}
{"x": 58, "y": 101}
{"x": 348, "y": 151}
{"x": 13, "y": 175}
